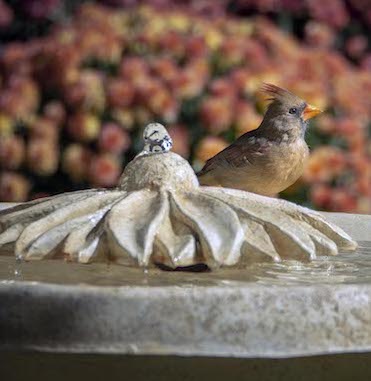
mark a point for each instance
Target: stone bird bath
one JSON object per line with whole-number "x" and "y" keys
{"x": 285, "y": 280}
{"x": 160, "y": 214}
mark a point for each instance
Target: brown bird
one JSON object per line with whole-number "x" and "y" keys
{"x": 272, "y": 157}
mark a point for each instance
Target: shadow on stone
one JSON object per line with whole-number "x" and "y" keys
{"x": 58, "y": 367}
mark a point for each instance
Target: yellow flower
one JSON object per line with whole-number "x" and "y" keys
{"x": 213, "y": 38}
{"x": 6, "y": 125}
{"x": 179, "y": 22}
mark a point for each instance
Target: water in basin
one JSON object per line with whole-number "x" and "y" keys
{"x": 346, "y": 268}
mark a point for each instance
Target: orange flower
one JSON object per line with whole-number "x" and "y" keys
{"x": 76, "y": 162}
{"x": 232, "y": 52}
{"x": 12, "y": 152}
{"x": 165, "y": 68}
{"x": 44, "y": 128}
{"x": 320, "y": 195}
{"x": 13, "y": 187}
{"x": 188, "y": 83}
{"x": 216, "y": 114}
{"x": 83, "y": 127}
{"x": 343, "y": 201}
{"x": 42, "y": 157}
{"x": 133, "y": 68}
{"x": 120, "y": 93}
{"x": 223, "y": 87}
{"x": 246, "y": 118}
{"x": 208, "y": 147}
{"x": 325, "y": 163}
{"x": 196, "y": 47}
{"x": 173, "y": 43}
{"x": 241, "y": 78}
{"x": 124, "y": 116}
{"x": 87, "y": 92}
{"x": 55, "y": 111}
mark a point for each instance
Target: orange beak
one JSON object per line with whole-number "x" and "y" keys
{"x": 310, "y": 112}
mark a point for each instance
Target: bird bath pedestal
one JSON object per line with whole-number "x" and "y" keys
{"x": 153, "y": 324}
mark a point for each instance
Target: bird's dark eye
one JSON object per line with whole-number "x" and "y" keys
{"x": 293, "y": 110}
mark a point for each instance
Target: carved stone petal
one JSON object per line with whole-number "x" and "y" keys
{"x": 133, "y": 223}
{"x": 324, "y": 245}
{"x": 62, "y": 216}
{"x": 290, "y": 238}
{"x": 11, "y": 234}
{"x": 298, "y": 213}
{"x": 30, "y": 211}
{"x": 89, "y": 251}
{"x": 46, "y": 243}
{"x": 14, "y": 220}
{"x": 257, "y": 242}
{"x": 82, "y": 244}
{"x": 179, "y": 249}
{"x": 216, "y": 225}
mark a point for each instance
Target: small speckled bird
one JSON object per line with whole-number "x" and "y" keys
{"x": 272, "y": 157}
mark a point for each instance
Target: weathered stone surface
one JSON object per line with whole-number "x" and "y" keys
{"x": 246, "y": 321}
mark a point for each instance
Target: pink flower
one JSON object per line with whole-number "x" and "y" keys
{"x": 356, "y": 46}
{"x": 40, "y": 9}
{"x": 332, "y": 12}
{"x": 120, "y": 93}
{"x": 181, "y": 139}
{"x": 223, "y": 87}
{"x": 6, "y": 15}
{"x": 104, "y": 170}
{"x": 113, "y": 139}
{"x": 319, "y": 34}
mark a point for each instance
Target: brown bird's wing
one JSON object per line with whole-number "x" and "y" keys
{"x": 243, "y": 152}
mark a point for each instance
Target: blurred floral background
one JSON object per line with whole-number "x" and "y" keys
{"x": 80, "y": 79}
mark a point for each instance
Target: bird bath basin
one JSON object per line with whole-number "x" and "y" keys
{"x": 281, "y": 309}
{"x": 259, "y": 313}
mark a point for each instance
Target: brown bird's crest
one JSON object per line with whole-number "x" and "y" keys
{"x": 278, "y": 94}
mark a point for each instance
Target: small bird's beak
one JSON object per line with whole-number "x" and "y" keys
{"x": 310, "y": 111}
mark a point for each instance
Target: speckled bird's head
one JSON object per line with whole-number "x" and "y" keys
{"x": 286, "y": 112}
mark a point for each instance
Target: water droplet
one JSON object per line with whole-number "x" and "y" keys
{"x": 133, "y": 348}
{"x": 18, "y": 266}
{"x": 145, "y": 273}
